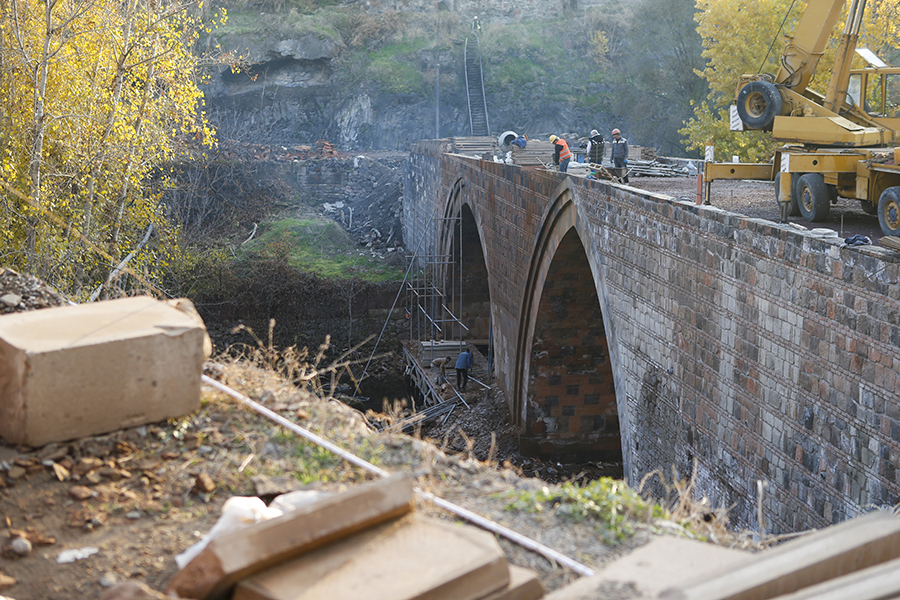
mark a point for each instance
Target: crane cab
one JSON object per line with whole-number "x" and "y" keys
{"x": 877, "y": 92}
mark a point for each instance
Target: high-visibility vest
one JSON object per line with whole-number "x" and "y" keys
{"x": 564, "y": 153}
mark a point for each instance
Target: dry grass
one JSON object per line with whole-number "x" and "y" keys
{"x": 291, "y": 376}
{"x": 694, "y": 517}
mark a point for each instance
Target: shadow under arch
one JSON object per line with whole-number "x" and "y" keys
{"x": 464, "y": 274}
{"x": 564, "y": 387}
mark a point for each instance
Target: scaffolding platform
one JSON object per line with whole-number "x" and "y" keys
{"x": 439, "y": 398}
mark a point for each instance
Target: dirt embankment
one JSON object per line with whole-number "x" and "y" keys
{"x": 129, "y": 501}
{"x": 126, "y": 503}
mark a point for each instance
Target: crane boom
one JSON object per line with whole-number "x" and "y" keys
{"x": 802, "y": 54}
{"x": 836, "y": 95}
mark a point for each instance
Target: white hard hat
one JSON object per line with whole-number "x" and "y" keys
{"x": 594, "y": 132}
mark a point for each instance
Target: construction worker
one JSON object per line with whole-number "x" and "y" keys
{"x": 442, "y": 364}
{"x": 594, "y": 149}
{"x": 476, "y": 25}
{"x": 561, "y": 153}
{"x": 619, "y": 156}
{"x": 463, "y": 364}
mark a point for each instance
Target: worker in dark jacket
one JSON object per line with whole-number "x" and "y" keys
{"x": 561, "y": 153}
{"x": 594, "y": 149}
{"x": 463, "y": 364}
{"x": 619, "y": 155}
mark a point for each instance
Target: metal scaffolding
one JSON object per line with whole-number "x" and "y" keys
{"x": 433, "y": 289}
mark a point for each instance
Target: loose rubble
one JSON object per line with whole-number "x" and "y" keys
{"x": 21, "y": 292}
{"x": 238, "y": 150}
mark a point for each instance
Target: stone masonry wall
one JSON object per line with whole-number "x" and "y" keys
{"x": 754, "y": 350}
{"x": 488, "y": 10}
{"x": 369, "y": 188}
{"x": 572, "y": 400}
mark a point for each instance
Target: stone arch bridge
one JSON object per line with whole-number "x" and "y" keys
{"x": 673, "y": 335}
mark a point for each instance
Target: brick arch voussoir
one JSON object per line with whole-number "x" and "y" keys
{"x": 453, "y": 206}
{"x": 560, "y": 217}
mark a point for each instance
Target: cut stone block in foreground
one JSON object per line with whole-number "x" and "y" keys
{"x": 83, "y": 370}
{"x": 837, "y": 551}
{"x": 645, "y": 573}
{"x": 410, "y": 559}
{"x": 229, "y": 558}
{"x": 523, "y": 585}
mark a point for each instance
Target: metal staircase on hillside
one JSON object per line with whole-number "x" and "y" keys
{"x": 478, "y": 117}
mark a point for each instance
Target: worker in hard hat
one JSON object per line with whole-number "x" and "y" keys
{"x": 619, "y": 155}
{"x": 594, "y": 148}
{"x": 561, "y": 153}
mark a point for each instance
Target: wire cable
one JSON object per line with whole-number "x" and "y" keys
{"x": 777, "y": 33}
{"x": 513, "y": 536}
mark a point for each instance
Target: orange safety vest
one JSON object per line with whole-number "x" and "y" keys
{"x": 564, "y": 153}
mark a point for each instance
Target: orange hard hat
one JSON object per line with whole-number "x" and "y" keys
{"x": 615, "y": 131}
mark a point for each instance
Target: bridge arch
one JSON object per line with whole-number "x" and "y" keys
{"x": 564, "y": 394}
{"x": 465, "y": 276}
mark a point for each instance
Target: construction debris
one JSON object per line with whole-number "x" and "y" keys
{"x": 837, "y": 551}
{"x": 234, "y": 556}
{"x": 536, "y": 153}
{"x": 653, "y": 168}
{"x": 21, "y": 292}
{"x": 635, "y": 153}
{"x": 446, "y": 562}
{"x": 664, "y": 563}
{"x": 237, "y": 150}
{"x": 855, "y": 559}
{"x": 890, "y": 241}
{"x": 325, "y": 148}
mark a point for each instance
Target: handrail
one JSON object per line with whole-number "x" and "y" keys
{"x": 468, "y": 93}
{"x": 487, "y": 122}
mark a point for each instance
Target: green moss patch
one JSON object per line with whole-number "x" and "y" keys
{"x": 320, "y": 247}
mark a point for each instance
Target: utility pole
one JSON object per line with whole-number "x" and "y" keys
{"x": 437, "y": 103}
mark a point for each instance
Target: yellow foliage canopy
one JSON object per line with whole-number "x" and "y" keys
{"x": 96, "y": 96}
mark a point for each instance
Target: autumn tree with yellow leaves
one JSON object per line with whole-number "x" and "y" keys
{"x": 96, "y": 97}
{"x": 748, "y": 36}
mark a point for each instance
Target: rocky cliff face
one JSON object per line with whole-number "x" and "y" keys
{"x": 292, "y": 91}
{"x": 299, "y": 87}
{"x": 497, "y": 10}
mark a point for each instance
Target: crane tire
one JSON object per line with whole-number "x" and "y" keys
{"x": 814, "y": 197}
{"x": 758, "y": 103}
{"x": 889, "y": 211}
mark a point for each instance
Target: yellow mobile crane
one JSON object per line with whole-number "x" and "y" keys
{"x": 837, "y": 144}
